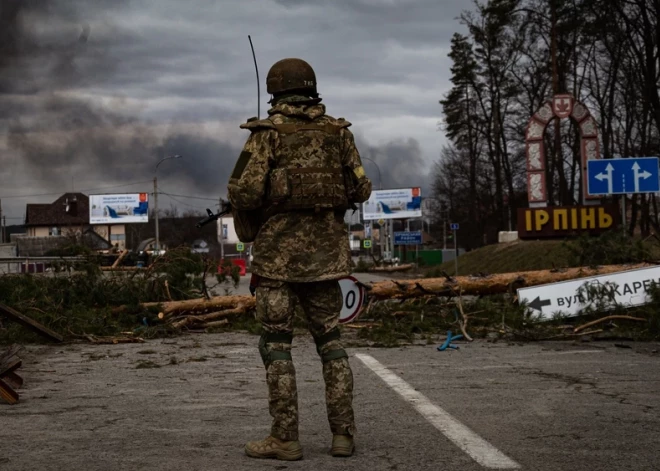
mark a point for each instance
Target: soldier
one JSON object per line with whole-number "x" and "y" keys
{"x": 301, "y": 170}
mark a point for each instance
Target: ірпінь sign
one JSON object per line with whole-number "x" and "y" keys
{"x": 628, "y": 288}
{"x": 566, "y": 221}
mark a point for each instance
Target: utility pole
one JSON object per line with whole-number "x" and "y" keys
{"x": 156, "y": 196}
{"x": 443, "y": 214}
{"x": 2, "y": 233}
{"x": 222, "y": 236}
{"x": 156, "y": 211}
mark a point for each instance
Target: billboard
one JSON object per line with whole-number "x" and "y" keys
{"x": 399, "y": 203}
{"x": 120, "y": 208}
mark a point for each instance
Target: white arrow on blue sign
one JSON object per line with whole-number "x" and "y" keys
{"x": 622, "y": 176}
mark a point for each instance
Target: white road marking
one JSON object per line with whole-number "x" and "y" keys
{"x": 570, "y": 352}
{"x": 479, "y": 449}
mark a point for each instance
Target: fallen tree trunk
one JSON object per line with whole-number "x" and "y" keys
{"x": 394, "y": 289}
{"x": 490, "y": 284}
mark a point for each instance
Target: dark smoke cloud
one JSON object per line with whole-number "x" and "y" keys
{"x": 54, "y": 137}
{"x": 400, "y": 162}
{"x": 55, "y": 54}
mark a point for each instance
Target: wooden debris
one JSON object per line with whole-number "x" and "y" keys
{"x": 608, "y": 318}
{"x": 9, "y": 379}
{"x": 204, "y": 318}
{"x": 463, "y": 321}
{"x": 493, "y": 284}
{"x": 31, "y": 324}
{"x": 568, "y": 336}
{"x": 123, "y": 268}
{"x": 112, "y": 340}
{"x": 167, "y": 290}
{"x": 364, "y": 325}
{"x": 172, "y": 308}
{"x": 120, "y": 258}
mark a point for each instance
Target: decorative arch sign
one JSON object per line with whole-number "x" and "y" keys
{"x": 561, "y": 106}
{"x": 541, "y": 221}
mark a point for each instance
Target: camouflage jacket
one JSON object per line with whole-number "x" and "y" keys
{"x": 295, "y": 246}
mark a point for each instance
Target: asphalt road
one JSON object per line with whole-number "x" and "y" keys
{"x": 551, "y": 406}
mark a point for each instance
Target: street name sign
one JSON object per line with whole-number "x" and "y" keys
{"x": 623, "y": 176}
{"x": 569, "y": 298}
{"x": 408, "y": 238}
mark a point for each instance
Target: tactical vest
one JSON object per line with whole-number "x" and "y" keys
{"x": 309, "y": 172}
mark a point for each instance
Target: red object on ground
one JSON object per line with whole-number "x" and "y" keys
{"x": 240, "y": 263}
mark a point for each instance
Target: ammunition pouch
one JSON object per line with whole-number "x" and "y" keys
{"x": 330, "y": 355}
{"x": 269, "y": 355}
{"x": 316, "y": 188}
{"x": 247, "y": 223}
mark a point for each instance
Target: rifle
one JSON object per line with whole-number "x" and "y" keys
{"x": 224, "y": 210}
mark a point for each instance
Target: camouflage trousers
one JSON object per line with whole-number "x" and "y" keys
{"x": 321, "y": 303}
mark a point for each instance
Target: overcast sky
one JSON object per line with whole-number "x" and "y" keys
{"x": 95, "y": 92}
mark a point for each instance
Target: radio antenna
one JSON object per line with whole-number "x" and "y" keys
{"x": 257, "y": 70}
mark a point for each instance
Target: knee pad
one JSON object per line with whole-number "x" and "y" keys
{"x": 268, "y": 355}
{"x": 335, "y": 353}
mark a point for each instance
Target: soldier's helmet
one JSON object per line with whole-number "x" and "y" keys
{"x": 291, "y": 75}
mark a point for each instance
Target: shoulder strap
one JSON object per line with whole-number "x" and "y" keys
{"x": 254, "y": 124}
{"x": 290, "y": 128}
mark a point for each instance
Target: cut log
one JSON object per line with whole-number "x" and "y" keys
{"x": 219, "y": 323}
{"x": 31, "y": 324}
{"x": 480, "y": 285}
{"x": 196, "y": 305}
{"x": 204, "y": 318}
{"x": 120, "y": 258}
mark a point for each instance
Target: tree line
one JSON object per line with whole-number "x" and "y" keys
{"x": 512, "y": 57}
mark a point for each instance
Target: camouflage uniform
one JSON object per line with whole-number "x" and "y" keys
{"x": 299, "y": 256}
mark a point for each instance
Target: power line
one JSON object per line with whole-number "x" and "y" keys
{"x": 181, "y": 202}
{"x": 81, "y": 191}
{"x": 187, "y": 196}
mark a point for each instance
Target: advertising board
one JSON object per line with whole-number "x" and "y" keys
{"x": 399, "y": 203}
{"x": 120, "y": 208}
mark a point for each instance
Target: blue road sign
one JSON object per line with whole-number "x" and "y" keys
{"x": 621, "y": 176}
{"x": 408, "y": 238}
{"x": 454, "y": 226}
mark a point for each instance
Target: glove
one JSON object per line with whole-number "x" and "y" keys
{"x": 254, "y": 281}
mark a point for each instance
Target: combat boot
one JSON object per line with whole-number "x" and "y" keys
{"x": 342, "y": 445}
{"x": 272, "y": 447}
